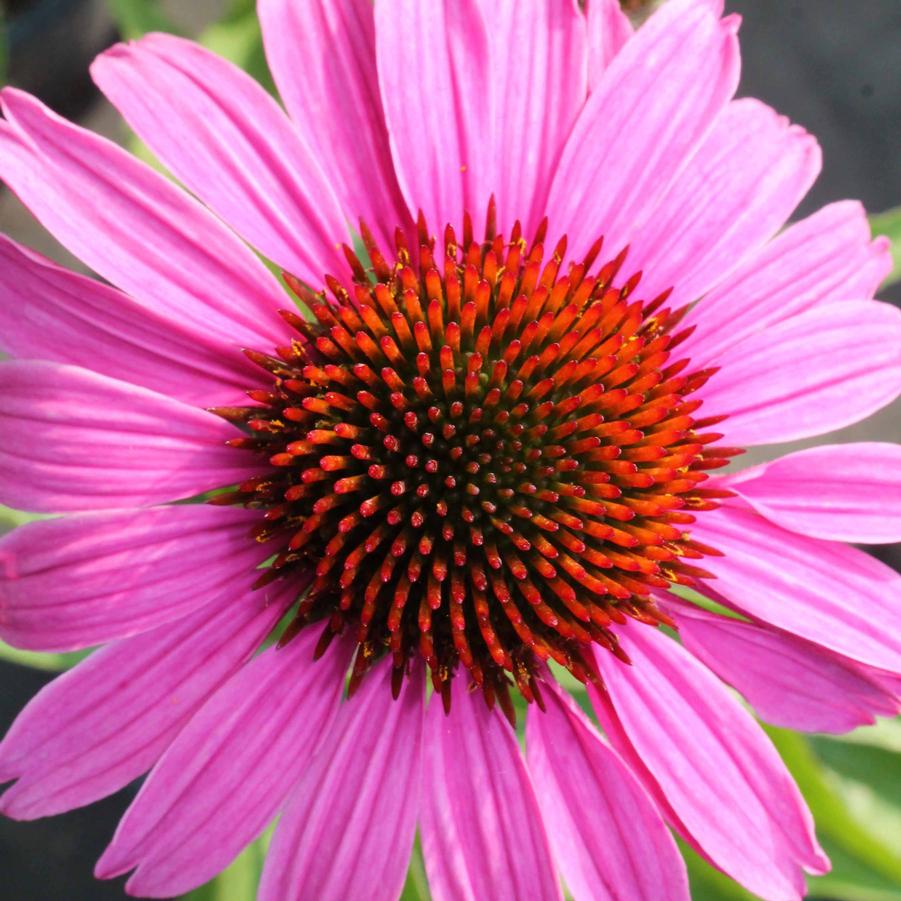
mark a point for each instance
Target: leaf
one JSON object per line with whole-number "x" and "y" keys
{"x": 862, "y": 852}
{"x": 863, "y": 868}
{"x": 889, "y": 224}
{"x": 850, "y": 880}
{"x": 868, "y": 779}
{"x": 135, "y": 18}
{"x": 884, "y": 734}
{"x": 416, "y": 888}
{"x": 10, "y": 518}
{"x": 54, "y": 663}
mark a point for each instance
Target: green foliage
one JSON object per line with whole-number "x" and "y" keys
{"x": 10, "y": 518}
{"x": 54, "y": 663}
{"x": 416, "y": 888}
{"x": 889, "y": 224}
{"x": 866, "y": 861}
{"x": 237, "y": 37}
{"x": 136, "y": 17}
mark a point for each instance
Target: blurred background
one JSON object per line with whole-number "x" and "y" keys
{"x": 833, "y": 66}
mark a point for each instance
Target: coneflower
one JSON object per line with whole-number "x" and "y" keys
{"x": 469, "y": 459}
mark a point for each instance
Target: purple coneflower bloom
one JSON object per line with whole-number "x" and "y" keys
{"x": 482, "y": 458}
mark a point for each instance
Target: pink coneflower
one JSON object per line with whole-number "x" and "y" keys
{"x": 481, "y": 456}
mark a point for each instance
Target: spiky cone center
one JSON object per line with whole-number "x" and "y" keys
{"x": 480, "y": 456}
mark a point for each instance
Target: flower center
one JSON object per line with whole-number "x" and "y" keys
{"x": 479, "y": 456}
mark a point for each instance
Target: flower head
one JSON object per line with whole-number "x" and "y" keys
{"x": 478, "y": 457}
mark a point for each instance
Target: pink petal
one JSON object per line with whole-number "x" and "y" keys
{"x": 434, "y": 74}
{"x": 740, "y": 187}
{"x": 841, "y": 492}
{"x": 789, "y": 681}
{"x": 607, "y": 835}
{"x": 830, "y": 594}
{"x": 322, "y": 56}
{"x": 49, "y": 313}
{"x": 105, "y": 722}
{"x": 482, "y": 831}
{"x": 819, "y": 371}
{"x": 82, "y": 580}
{"x": 230, "y": 143}
{"x": 137, "y": 229}
{"x": 348, "y": 829}
{"x": 608, "y": 30}
{"x": 539, "y": 71}
{"x": 890, "y": 682}
{"x": 655, "y": 103}
{"x": 74, "y": 440}
{"x": 711, "y": 767}
{"x": 226, "y": 774}
{"x": 826, "y": 257}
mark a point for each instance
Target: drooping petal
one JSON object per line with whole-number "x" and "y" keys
{"x": 105, "y": 722}
{"x": 50, "y": 313}
{"x": 607, "y": 835}
{"x": 789, "y": 681}
{"x": 83, "y": 580}
{"x": 476, "y": 787}
{"x": 227, "y": 773}
{"x": 74, "y": 440}
{"x": 136, "y": 228}
{"x": 348, "y": 829}
{"x": 841, "y": 492}
{"x": 434, "y": 75}
{"x": 826, "y": 257}
{"x": 654, "y": 104}
{"x": 608, "y": 30}
{"x": 739, "y": 188}
{"x": 710, "y": 766}
{"x": 230, "y": 143}
{"x": 828, "y": 593}
{"x": 799, "y": 378}
{"x": 322, "y": 57}
{"x": 539, "y": 71}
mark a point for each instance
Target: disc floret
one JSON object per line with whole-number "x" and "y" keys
{"x": 476, "y": 454}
